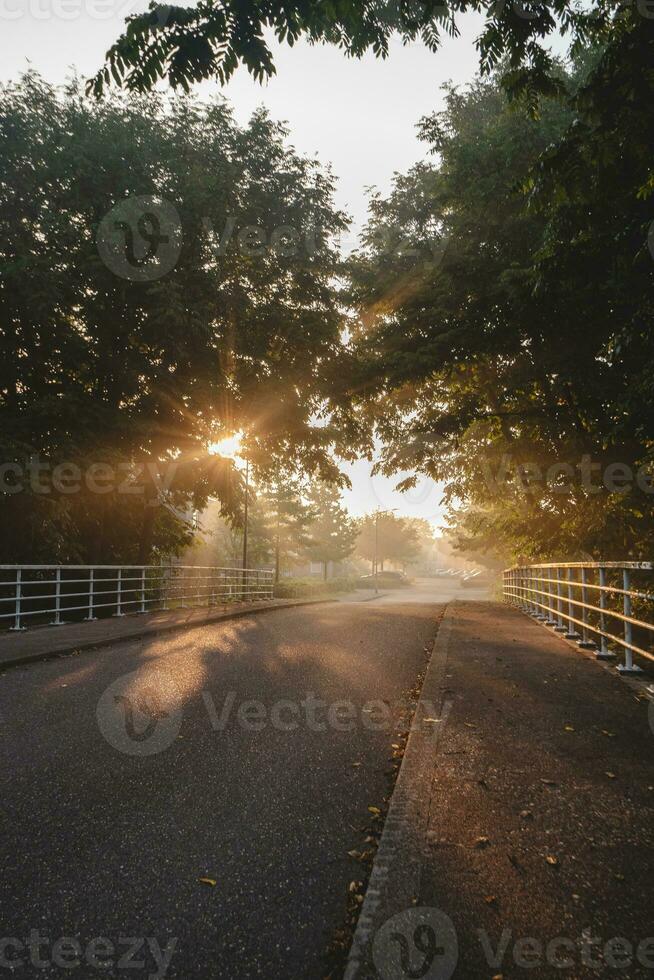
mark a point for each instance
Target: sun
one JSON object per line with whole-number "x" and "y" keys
{"x": 229, "y": 447}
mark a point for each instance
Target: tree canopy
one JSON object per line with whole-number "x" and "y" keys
{"x": 211, "y": 39}
{"x": 138, "y": 360}
{"x": 504, "y": 311}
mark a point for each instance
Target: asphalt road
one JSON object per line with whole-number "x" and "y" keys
{"x": 129, "y": 774}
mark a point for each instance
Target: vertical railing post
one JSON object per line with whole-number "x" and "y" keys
{"x": 572, "y": 633}
{"x": 603, "y": 653}
{"x": 142, "y": 609}
{"x": 57, "y": 621}
{"x": 560, "y": 627}
{"x": 17, "y": 628}
{"x": 585, "y": 642}
{"x": 90, "y": 618}
{"x": 549, "y": 618}
{"x": 628, "y": 667}
{"x": 542, "y": 590}
{"x": 119, "y": 594}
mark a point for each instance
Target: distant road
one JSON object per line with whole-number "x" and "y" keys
{"x": 100, "y": 845}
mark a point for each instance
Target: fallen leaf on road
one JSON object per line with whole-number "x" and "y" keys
{"x": 548, "y": 782}
{"x": 375, "y": 810}
{"x": 431, "y": 719}
{"x": 609, "y": 734}
{"x": 526, "y": 815}
{"x": 490, "y": 900}
{"x": 553, "y": 860}
{"x": 482, "y": 842}
{"x": 468, "y": 724}
{"x": 611, "y": 775}
{"x": 354, "y": 854}
{"x": 568, "y": 728}
{"x": 208, "y": 881}
{"x": 355, "y": 764}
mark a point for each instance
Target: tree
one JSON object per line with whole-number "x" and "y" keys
{"x": 474, "y": 353}
{"x": 188, "y": 44}
{"x": 167, "y": 277}
{"x": 290, "y": 520}
{"x": 332, "y": 534}
{"x": 387, "y": 537}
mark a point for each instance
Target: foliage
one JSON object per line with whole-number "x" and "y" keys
{"x": 504, "y": 302}
{"x": 387, "y": 537}
{"x": 143, "y": 375}
{"x": 307, "y": 588}
{"x": 188, "y": 44}
{"x": 291, "y": 518}
{"x": 332, "y": 535}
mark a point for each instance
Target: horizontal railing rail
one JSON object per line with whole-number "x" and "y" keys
{"x": 607, "y": 603}
{"x": 33, "y": 593}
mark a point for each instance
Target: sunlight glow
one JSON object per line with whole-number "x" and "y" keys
{"x": 229, "y": 447}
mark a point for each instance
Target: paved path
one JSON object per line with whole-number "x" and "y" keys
{"x": 99, "y": 843}
{"x": 541, "y": 805}
{"x": 42, "y": 642}
{"x": 537, "y": 808}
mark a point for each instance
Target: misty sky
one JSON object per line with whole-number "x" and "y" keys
{"x": 357, "y": 115}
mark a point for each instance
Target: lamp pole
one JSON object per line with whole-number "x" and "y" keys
{"x": 245, "y": 518}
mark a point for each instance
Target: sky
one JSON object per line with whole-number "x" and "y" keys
{"x": 359, "y": 116}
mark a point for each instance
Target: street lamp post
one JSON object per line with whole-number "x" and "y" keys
{"x": 245, "y": 521}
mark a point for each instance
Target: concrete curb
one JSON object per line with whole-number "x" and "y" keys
{"x": 147, "y": 630}
{"x": 394, "y": 882}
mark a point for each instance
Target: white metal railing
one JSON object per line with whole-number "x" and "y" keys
{"x": 597, "y": 598}
{"x": 81, "y": 591}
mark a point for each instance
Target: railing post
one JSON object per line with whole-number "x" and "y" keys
{"x": 57, "y": 621}
{"x": 603, "y": 653}
{"x": 119, "y": 597}
{"x": 17, "y": 628}
{"x": 90, "y": 618}
{"x": 142, "y": 609}
{"x": 538, "y": 599}
{"x": 585, "y": 642}
{"x": 560, "y": 627}
{"x": 628, "y": 667}
{"x": 571, "y": 634}
{"x": 549, "y": 618}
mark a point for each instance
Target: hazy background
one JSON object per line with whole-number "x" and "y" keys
{"x": 359, "y": 116}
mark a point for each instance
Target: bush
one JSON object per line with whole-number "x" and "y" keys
{"x": 307, "y": 588}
